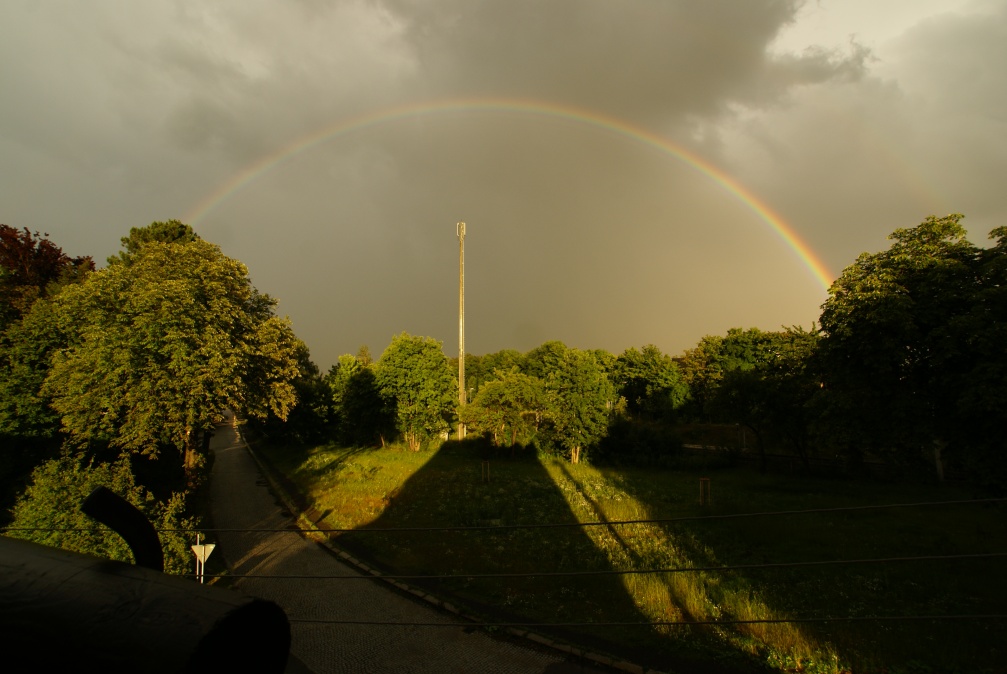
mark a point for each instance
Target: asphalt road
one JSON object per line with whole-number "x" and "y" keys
{"x": 241, "y": 499}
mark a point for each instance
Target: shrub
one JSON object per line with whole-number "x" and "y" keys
{"x": 49, "y": 511}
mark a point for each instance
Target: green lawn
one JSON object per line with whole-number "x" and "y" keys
{"x": 393, "y": 488}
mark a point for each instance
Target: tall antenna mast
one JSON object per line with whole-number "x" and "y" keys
{"x": 460, "y": 230}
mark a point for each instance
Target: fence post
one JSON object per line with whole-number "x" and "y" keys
{"x": 705, "y": 498}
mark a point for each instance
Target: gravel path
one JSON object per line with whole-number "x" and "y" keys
{"x": 240, "y": 499}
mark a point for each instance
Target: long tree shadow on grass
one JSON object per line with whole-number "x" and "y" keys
{"x": 462, "y": 485}
{"x": 835, "y": 591}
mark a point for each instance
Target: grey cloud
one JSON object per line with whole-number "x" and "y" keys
{"x": 922, "y": 133}
{"x": 119, "y": 114}
{"x": 201, "y": 125}
{"x": 957, "y": 64}
{"x": 648, "y": 61}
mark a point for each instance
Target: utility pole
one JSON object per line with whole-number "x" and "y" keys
{"x": 460, "y": 230}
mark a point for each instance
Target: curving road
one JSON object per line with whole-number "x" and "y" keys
{"x": 241, "y": 499}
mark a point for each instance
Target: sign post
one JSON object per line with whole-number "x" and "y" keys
{"x": 202, "y": 552}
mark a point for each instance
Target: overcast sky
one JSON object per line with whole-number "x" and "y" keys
{"x": 848, "y": 119}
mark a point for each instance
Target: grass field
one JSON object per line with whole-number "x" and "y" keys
{"x": 376, "y": 488}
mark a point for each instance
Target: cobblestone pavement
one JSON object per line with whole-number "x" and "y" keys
{"x": 241, "y": 499}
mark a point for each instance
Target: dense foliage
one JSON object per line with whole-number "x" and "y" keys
{"x": 582, "y": 398}
{"x": 156, "y": 349}
{"x": 416, "y": 381}
{"x": 49, "y": 511}
{"x": 913, "y": 357}
{"x": 360, "y": 416}
{"x": 121, "y": 364}
{"x": 509, "y": 409}
{"x": 908, "y": 368}
{"x": 32, "y": 266}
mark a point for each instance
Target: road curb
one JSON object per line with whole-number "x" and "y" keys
{"x": 308, "y": 526}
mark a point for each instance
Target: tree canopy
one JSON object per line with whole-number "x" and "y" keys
{"x": 49, "y": 511}
{"x": 415, "y": 378}
{"x": 171, "y": 231}
{"x": 30, "y": 267}
{"x": 509, "y": 408}
{"x": 909, "y": 336}
{"x": 771, "y": 394}
{"x": 650, "y": 382}
{"x": 582, "y": 397}
{"x": 157, "y": 348}
{"x": 360, "y": 415}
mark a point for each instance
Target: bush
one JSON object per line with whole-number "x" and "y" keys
{"x": 49, "y": 510}
{"x": 632, "y": 442}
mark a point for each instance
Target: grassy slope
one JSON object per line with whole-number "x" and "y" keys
{"x": 391, "y": 487}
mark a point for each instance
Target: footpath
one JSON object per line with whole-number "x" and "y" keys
{"x": 241, "y": 499}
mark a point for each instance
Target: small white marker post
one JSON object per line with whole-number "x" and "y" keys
{"x": 202, "y": 553}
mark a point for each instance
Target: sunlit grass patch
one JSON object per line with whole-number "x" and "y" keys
{"x": 352, "y": 486}
{"x": 391, "y": 487}
{"x": 692, "y": 596}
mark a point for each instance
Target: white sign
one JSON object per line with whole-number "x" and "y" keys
{"x": 203, "y": 551}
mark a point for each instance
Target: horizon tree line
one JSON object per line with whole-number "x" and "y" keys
{"x": 907, "y": 365}
{"x": 119, "y": 374}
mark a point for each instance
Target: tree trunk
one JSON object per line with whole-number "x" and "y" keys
{"x": 189, "y": 458}
{"x": 761, "y": 448}
{"x": 938, "y": 462}
{"x": 801, "y": 448}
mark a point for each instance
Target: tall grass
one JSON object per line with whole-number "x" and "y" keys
{"x": 700, "y": 596}
{"x": 391, "y": 487}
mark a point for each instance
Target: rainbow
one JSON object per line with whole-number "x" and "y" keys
{"x": 553, "y": 110}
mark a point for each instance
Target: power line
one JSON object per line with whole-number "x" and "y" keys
{"x": 613, "y": 572}
{"x": 505, "y": 527}
{"x": 661, "y": 623}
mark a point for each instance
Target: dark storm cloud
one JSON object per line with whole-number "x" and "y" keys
{"x": 119, "y": 113}
{"x": 652, "y": 62}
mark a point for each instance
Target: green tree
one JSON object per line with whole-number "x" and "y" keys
{"x": 771, "y": 395}
{"x": 982, "y": 404}
{"x": 158, "y": 347}
{"x": 650, "y": 382}
{"x": 791, "y": 383}
{"x": 894, "y": 350}
{"x": 544, "y": 359}
{"x": 415, "y": 377}
{"x": 338, "y": 380}
{"x": 696, "y": 366}
{"x": 510, "y": 406}
{"x": 32, "y": 271}
{"x": 171, "y": 231}
{"x": 367, "y": 417}
{"x": 25, "y": 351}
{"x": 503, "y": 361}
{"x": 582, "y": 398}
{"x": 486, "y": 368}
{"x": 308, "y": 420}
{"x": 606, "y": 359}
{"x": 32, "y": 266}
{"x": 360, "y": 414}
{"x": 705, "y": 366}
{"x": 49, "y": 511}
